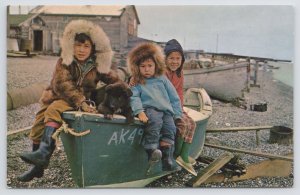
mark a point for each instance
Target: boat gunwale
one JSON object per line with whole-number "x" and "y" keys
{"x": 119, "y": 119}
{"x": 214, "y": 69}
{"x": 205, "y": 112}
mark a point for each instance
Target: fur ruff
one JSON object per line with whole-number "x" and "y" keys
{"x": 145, "y": 50}
{"x": 103, "y": 49}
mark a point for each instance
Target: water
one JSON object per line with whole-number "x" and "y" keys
{"x": 284, "y": 73}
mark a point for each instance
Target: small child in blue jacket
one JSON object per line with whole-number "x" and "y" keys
{"x": 155, "y": 102}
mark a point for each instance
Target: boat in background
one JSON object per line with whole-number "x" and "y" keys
{"x": 111, "y": 154}
{"x": 226, "y": 82}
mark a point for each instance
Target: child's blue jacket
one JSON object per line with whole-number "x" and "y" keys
{"x": 157, "y": 92}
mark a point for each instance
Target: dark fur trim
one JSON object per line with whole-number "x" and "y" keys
{"x": 141, "y": 52}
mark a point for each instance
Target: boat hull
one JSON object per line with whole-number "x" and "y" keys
{"x": 226, "y": 82}
{"x": 111, "y": 155}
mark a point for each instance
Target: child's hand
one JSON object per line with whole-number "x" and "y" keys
{"x": 143, "y": 117}
{"x": 131, "y": 82}
{"x": 179, "y": 121}
{"x": 181, "y": 126}
{"x": 87, "y": 108}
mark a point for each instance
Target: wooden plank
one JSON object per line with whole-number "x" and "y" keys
{"x": 210, "y": 170}
{"x": 266, "y": 168}
{"x": 266, "y": 155}
{"x": 234, "y": 165}
{"x": 10, "y": 54}
{"x": 19, "y": 131}
{"x": 231, "y": 129}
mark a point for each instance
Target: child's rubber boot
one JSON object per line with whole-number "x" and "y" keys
{"x": 167, "y": 159}
{"x": 178, "y": 146}
{"x": 42, "y": 155}
{"x": 154, "y": 156}
{"x": 34, "y": 171}
{"x": 183, "y": 159}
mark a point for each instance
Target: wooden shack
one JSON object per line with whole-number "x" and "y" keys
{"x": 45, "y": 24}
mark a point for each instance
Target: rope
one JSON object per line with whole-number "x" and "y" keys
{"x": 64, "y": 127}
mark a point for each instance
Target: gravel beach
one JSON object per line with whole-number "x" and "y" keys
{"x": 278, "y": 96}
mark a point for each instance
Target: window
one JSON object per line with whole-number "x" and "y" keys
{"x": 38, "y": 21}
{"x": 107, "y": 18}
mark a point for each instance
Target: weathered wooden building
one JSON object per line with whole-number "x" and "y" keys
{"x": 44, "y": 28}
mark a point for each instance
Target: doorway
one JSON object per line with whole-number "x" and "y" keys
{"x": 38, "y": 40}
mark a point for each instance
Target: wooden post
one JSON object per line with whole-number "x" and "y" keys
{"x": 232, "y": 129}
{"x": 7, "y": 22}
{"x": 266, "y": 155}
{"x": 257, "y": 138}
{"x": 248, "y": 76}
{"x": 213, "y": 60}
{"x": 255, "y": 76}
{"x": 208, "y": 171}
{"x": 255, "y": 73}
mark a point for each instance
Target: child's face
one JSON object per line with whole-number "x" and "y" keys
{"x": 147, "y": 68}
{"x": 82, "y": 50}
{"x": 173, "y": 61}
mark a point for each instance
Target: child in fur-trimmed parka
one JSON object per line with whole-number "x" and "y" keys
{"x": 85, "y": 60}
{"x": 155, "y": 102}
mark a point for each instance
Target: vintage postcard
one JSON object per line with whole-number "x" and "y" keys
{"x": 150, "y": 96}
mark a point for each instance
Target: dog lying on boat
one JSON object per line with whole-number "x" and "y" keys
{"x": 115, "y": 100}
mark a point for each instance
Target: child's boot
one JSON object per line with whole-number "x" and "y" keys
{"x": 154, "y": 155}
{"x": 42, "y": 155}
{"x": 183, "y": 159}
{"x": 167, "y": 159}
{"x": 178, "y": 146}
{"x": 34, "y": 171}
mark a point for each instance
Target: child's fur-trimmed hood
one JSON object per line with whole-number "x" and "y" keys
{"x": 142, "y": 51}
{"x": 103, "y": 49}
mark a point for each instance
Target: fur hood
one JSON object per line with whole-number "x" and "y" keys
{"x": 102, "y": 43}
{"x": 142, "y": 51}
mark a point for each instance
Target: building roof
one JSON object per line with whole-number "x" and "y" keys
{"x": 15, "y": 20}
{"x": 103, "y": 10}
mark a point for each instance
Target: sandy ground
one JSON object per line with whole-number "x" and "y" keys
{"x": 23, "y": 72}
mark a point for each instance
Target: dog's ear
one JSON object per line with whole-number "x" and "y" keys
{"x": 129, "y": 92}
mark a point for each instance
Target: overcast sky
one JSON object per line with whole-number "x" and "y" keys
{"x": 264, "y": 31}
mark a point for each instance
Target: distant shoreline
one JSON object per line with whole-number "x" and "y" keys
{"x": 284, "y": 74}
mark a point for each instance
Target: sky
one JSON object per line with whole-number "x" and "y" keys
{"x": 264, "y": 31}
{"x": 20, "y": 9}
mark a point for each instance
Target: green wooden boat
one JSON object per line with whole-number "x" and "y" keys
{"x": 111, "y": 154}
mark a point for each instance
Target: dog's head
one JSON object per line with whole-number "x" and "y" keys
{"x": 118, "y": 95}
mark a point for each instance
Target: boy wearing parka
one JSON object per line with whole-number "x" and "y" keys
{"x": 85, "y": 60}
